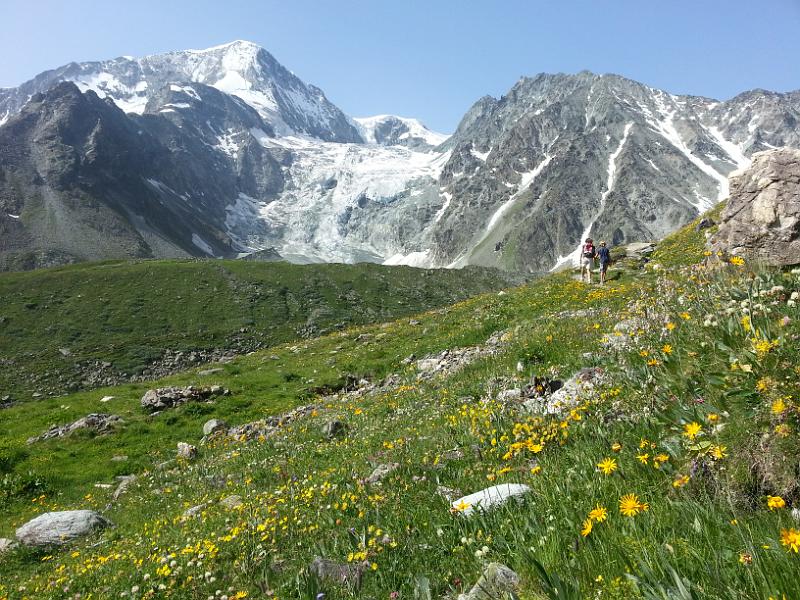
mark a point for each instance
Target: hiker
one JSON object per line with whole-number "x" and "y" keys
{"x": 604, "y": 256}
{"x": 588, "y": 255}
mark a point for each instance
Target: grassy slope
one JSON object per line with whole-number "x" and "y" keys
{"x": 710, "y": 538}
{"x": 128, "y": 313}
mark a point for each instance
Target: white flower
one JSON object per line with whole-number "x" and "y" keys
{"x": 795, "y": 296}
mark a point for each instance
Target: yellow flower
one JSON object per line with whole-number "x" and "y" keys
{"x": 712, "y": 417}
{"x": 630, "y": 506}
{"x": 598, "y": 514}
{"x": 737, "y": 260}
{"x": 643, "y": 458}
{"x": 745, "y": 558}
{"x": 692, "y": 430}
{"x": 774, "y": 502}
{"x": 616, "y": 447}
{"x": 778, "y": 406}
{"x": 461, "y": 506}
{"x": 652, "y": 362}
{"x": 719, "y": 452}
{"x": 680, "y": 481}
{"x": 790, "y": 538}
{"x": 643, "y": 353}
{"x": 670, "y": 325}
{"x": 783, "y": 430}
{"x": 587, "y": 527}
{"x": 666, "y": 349}
{"x": 745, "y": 321}
{"x": 536, "y": 470}
{"x": 607, "y": 466}
{"x": 685, "y": 316}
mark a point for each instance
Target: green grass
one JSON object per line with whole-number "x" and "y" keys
{"x": 129, "y": 313}
{"x": 698, "y": 360}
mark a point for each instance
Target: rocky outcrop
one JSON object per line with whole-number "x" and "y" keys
{"x": 97, "y": 422}
{"x": 57, "y": 528}
{"x": 762, "y": 218}
{"x": 580, "y": 387}
{"x": 162, "y": 398}
{"x": 496, "y": 582}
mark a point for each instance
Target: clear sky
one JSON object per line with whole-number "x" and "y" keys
{"x": 430, "y": 59}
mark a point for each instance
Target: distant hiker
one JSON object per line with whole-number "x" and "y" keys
{"x": 604, "y": 256}
{"x": 588, "y": 255}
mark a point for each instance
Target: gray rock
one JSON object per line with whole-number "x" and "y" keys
{"x": 65, "y": 351}
{"x": 124, "y": 483}
{"x": 194, "y": 511}
{"x": 56, "y": 528}
{"x": 187, "y": 451}
{"x": 761, "y": 220}
{"x": 380, "y": 472}
{"x": 7, "y": 545}
{"x": 334, "y": 428}
{"x": 509, "y": 395}
{"x": 231, "y": 502}
{"x": 163, "y": 398}
{"x": 497, "y": 583}
{"x": 97, "y": 422}
{"x": 119, "y": 458}
{"x": 704, "y": 223}
{"x": 206, "y": 372}
{"x": 578, "y": 388}
{"x": 213, "y": 426}
{"x": 346, "y": 574}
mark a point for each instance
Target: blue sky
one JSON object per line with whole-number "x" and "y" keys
{"x": 427, "y": 58}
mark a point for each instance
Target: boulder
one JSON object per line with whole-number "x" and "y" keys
{"x": 55, "y": 528}
{"x": 213, "y": 426}
{"x": 187, "y": 451}
{"x": 761, "y": 220}
{"x": 509, "y": 395}
{"x": 231, "y": 502}
{"x": 124, "y": 482}
{"x": 704, "y": 223}
{"x": 489, "y": 498}
{"x": 97, "y": 422}
{"x": 496, "y": 583}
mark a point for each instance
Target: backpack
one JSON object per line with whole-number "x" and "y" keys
{"x": 588, "y": 251}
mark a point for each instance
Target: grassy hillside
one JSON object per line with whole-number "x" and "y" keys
{"x": 70, "y": 328}
{"x": 675, "y": 479}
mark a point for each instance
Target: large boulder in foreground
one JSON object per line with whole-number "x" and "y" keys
{"x": 762, "y": 218}
{"x": 56, "y": 528}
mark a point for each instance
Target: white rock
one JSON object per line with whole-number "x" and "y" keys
{"x": 55, "y": 528}
{"x": 489, "y": 498}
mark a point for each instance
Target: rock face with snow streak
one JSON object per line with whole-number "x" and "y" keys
{"x": 761, "y": 220}
{"x": 224, "y": 152}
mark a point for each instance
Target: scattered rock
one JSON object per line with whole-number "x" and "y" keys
{"x": 333, "y": 429}
{"x": 496, "y": 583}
{"x": 107, "y": 398}
{"x": 266, "y": 427}
{"x": 7, "y": 545}
{"x": 380, "y": 472}
{"x": 413, "y": 322}
{"x": 65, "y": 351}
{"x": 187, "y": 451}
{"x": 119, "y": 458}
{"x": 124, "y": 482}
{"x": 581, "y": 386}
{"x": 97, "y": 422}
{"x": 206, "y": 372}
{"x": 346, "y": 574}
{"x": 450, "y": 361}
{"x": 761, "y": 220}
{"x": 447, "y": 493}
{"x": 213, "y": 426}
{"x": 232, "y": 502}
{"x": 195, "y": 511}
{"x": 56, "y": 528}
{"x": 509, "y": 395}
{"x": 488, "y": 498}
{"x": 162, "y": 398}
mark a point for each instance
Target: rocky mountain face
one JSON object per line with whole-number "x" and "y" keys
{"x": 224, "y": 152}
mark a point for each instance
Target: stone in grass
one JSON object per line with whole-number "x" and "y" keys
{"x": 231, "y": 502}
{"x": 214, "y": 425}
{"x": 187, "y": 451}
{"x": 7, "y": 545}
{"x": 497, "y": 582}
{"x": 56, "y": 528}
{"x": 346, "y": 574}
{"x": 333, "y": 429}
{"x": 488, "y": 498}
{"x": 380, "y": 472}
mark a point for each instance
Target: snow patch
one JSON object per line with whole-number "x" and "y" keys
{"x": 413, "y": 259}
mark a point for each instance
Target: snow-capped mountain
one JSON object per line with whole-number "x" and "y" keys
{"x": 223, "y": 151}
{"x": 391, "y": 130}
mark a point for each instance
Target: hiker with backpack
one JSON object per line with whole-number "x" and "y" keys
{"x": 604, "y": 256}
{"x": 588, "y": 254}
